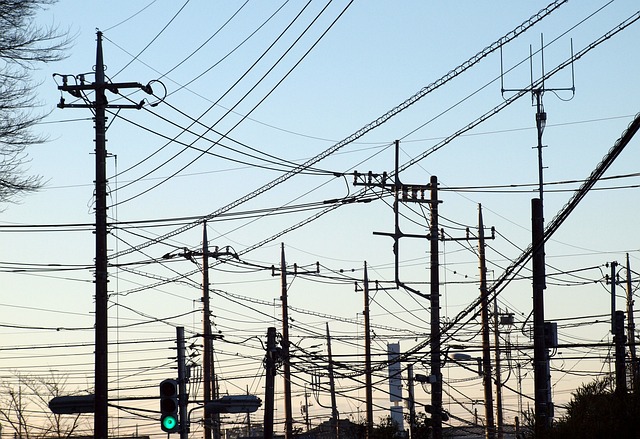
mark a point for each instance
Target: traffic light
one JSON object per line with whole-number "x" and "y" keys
{"x": 169, "y": 406}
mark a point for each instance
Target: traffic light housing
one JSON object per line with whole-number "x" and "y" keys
{"x": 169, "y": 406}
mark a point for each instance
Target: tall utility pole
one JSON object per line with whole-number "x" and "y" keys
{"x": 307, "y": 421}
{"x": 270, "y": 374}
{"x": 210, "y": 392}
{"x": 436, "y": 386}
{"x": 210, "y": 388}
{"x": 102, "y": 294}
{"x": 619, "y": 340}
{"x": 631, "y": 331}
{"x": 416, "y": 193}
{"x": 614, "y": 266}
{"x": 182, "y": 384}
{"x": 367, "y": 357}
{"x": 485, "y": 365}
{"x": 412, "y": 402}
{"x": 542, "y": 383}
{"x": 99, "y": 106}
{"x": 248, "y": 419}
{"x": 284, "y": 353}
{"x": 288, "y": 420}
{"x": 496, "y": 343}
{"x": 334, "y": 406}
{"x": 486, "y": 333}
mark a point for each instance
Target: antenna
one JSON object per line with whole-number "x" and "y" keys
{"x": 536, "y": 99}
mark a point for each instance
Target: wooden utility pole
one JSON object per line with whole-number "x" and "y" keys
{"x": 486, "y": 333}
{"x": 99, "y": 106}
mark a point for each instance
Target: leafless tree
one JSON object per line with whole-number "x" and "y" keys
{"x": 23, "y": 47}
{"x": 24, "y": 408}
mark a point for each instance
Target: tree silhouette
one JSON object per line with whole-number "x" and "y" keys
{"x": 597, "y": 411}
{"x": 24, "y": 408}
{"x": 23, "y": 47}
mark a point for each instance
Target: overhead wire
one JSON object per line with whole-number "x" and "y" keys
{"x": 265, "y": 97}
{"x": 131, "y": 16}
{"x": 153, "y": 39}
{"x": 244, "y": 96}
{"x": 381, "y": 120}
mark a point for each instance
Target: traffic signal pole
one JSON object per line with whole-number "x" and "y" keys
{"x": 99, "y": 106}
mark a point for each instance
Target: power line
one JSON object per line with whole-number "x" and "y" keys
{"x": 381, "y": 120}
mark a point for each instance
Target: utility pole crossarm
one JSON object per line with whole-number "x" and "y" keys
{"x": 99, "y": 88}
{"x": 405, "y": 193}
{"x": 111, "y": 86}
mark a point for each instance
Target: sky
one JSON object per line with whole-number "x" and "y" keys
{"x": 246, "y": 91}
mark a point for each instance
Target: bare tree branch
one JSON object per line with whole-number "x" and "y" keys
{"x": 23, "y": 47}
{"x": 28, "y": 395}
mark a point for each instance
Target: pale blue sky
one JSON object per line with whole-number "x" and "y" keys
{"x": 376, "y": 55}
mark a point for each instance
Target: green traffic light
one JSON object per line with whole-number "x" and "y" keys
{"x": 169, "y": 422}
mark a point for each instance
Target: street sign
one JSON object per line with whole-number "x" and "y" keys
{"x": 234, "y": 404}
{"x": 68, "y": 405}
